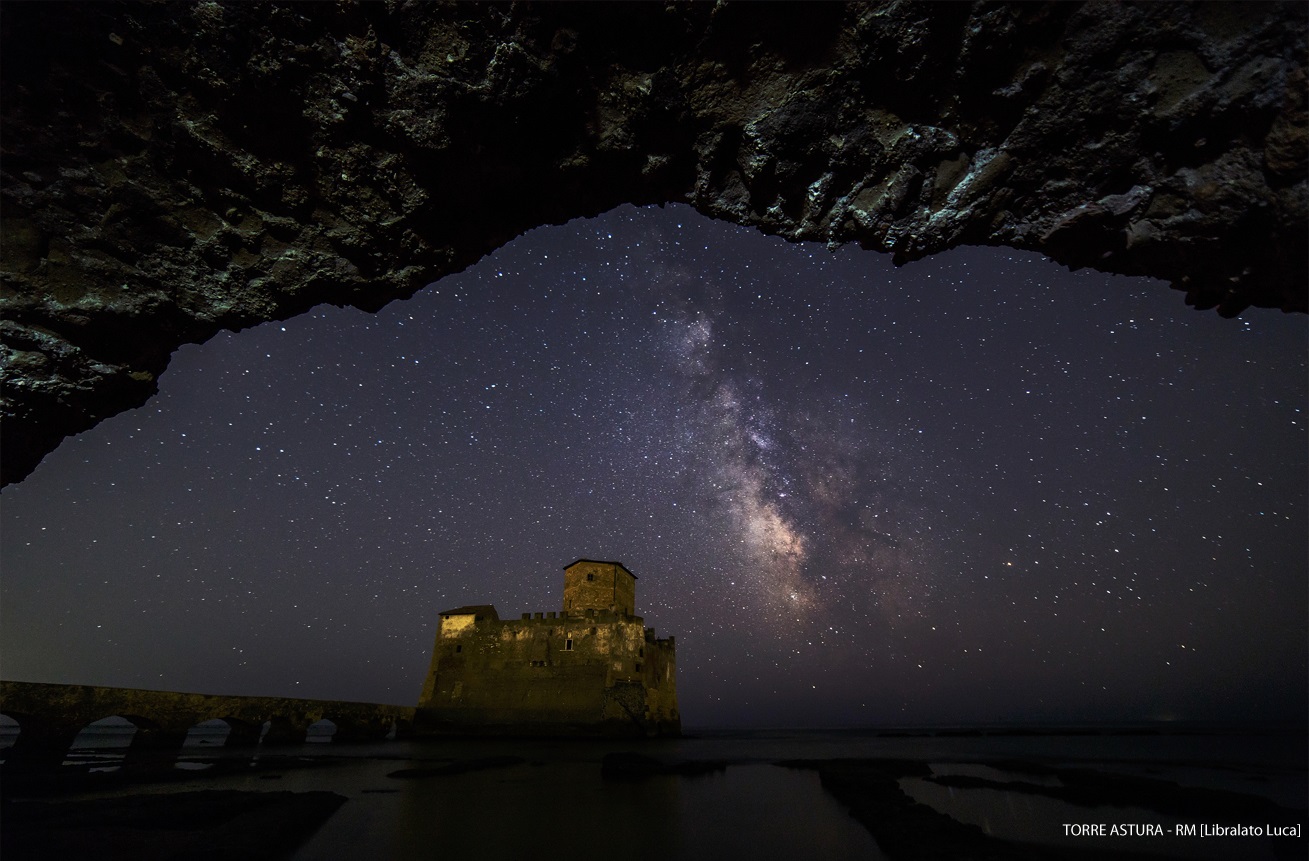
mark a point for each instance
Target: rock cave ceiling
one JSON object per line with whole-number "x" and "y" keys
{"x": 173, "y": 170}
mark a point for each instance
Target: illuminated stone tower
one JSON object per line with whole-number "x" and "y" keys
{"x": 593, "y": 668}
{"x": 602, "y": 586}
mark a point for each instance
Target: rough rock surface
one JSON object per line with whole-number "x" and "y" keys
{"x": 174, "y": 169}
{"x": 213, "y": 824}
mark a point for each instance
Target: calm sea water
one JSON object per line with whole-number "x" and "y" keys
{"x": 556, "y": 799}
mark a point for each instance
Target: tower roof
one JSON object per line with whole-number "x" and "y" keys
{"x": 471, "y": 610}
{"x": 600, "y": 562}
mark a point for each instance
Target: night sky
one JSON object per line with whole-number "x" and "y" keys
{"x": 976, "y": 489}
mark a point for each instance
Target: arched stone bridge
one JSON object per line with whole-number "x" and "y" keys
{"x": 50, "y": 716}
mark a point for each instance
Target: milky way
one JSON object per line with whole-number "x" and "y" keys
{"x": 978, "y": 488}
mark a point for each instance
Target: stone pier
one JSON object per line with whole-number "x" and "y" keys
{"x": 51, "y": 715}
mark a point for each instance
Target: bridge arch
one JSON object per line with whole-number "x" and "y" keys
{"x": 11, "y": 727}
{"x": 40, "y": 742}
{"x": 321, "y": 731}
{"x": 105, "y": 742}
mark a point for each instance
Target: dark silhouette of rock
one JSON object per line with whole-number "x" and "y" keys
{"x": 172, "y": 170}
{"x": 627, "y": 765}
{"x": 457, "y": 767}
{"x": 1091, "y": 788}
{"x": 217, "y": 825}
{"x": 907, "y": 830}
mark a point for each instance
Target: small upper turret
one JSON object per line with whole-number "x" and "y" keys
{"x": 602, "y": 586}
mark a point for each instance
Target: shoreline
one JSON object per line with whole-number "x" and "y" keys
{"x": 1106, "y": 777}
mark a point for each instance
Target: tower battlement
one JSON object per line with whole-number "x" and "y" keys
{"x": 592, "y": 585}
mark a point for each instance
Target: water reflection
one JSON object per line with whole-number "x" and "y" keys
{"x": 539, "y": 798}
{"x": 320, "y": 732}
{"x": 536, "y": 808}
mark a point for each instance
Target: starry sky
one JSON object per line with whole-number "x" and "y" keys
{"x": 976, "y": 489}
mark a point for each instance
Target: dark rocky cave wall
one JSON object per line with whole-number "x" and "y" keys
{"x": 171, "y": 170}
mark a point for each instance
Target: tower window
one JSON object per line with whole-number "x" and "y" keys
{"x": 459, "y": 648}
{"x": 638, "y": 668}
{"x": 590, "y": 577}
{"x": 568, "y": 644}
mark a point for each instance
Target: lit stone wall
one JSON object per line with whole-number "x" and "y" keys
{"x": 592, "y": 585}
{"x": 553, "y": 672}
{"x": 592, "y": 668}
